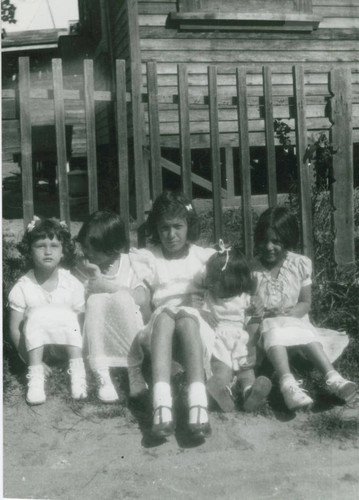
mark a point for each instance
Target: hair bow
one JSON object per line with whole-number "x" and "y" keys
{"x": 224, "y": 249}
{"x": 63, "y": 224}
{"x": 188, "y": 207}
{"x": 32, "y": 224}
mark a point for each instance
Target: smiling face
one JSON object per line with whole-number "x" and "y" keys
{"x": 271, "y": 250}
{"x": 46, "y": 253}
{"x": 173, "y": 236}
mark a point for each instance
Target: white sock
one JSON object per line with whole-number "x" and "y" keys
{"x": 286, "y": 379}
{"x": 197, "y": 396}
{"x": 332, "y": 374}
{"x": 162, "y": 397}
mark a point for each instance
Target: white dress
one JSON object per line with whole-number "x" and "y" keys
{"x": 173, "y": 283}
{"x": 283, "y": 292}
{"x": 49, "y": 317}
{"x": 112, "y": 320}
{"x": 231, "y": 338}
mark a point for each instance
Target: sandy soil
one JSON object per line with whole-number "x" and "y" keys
{"x": 63, "y": 450}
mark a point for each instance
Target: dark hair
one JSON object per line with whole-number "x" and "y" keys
{"x": 105, "y": 231}
{"x": 236, "y": 278}
{"x": 172, "y": 204}
{"x": 282, "y": 222}
{"x": 40, "y": 229}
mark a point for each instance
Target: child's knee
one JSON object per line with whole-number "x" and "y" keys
{"x": 185, "y": 324}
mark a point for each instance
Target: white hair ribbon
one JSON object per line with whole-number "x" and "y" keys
{"x": 32, "y": 224}
{"x": 224, "y": 249}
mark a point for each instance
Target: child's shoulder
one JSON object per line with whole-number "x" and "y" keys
{"x": 298, "y": 259}
{"x": 67, "y": 279}
{"x": 25, "y": 279}
{"x": 203, "y": 253}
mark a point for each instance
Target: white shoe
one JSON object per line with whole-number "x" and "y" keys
{"x": 36, "y": 385}
{"x": 294, "y": 396}
{"x": 78, "y": 378}
{"x": 342, "y": 388}
{"x": 106, "y": 390}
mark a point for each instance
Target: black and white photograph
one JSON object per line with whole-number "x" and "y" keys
{"x": 180, "y": 249}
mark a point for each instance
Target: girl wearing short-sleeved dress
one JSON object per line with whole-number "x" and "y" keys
{"x": 284, "y": 289}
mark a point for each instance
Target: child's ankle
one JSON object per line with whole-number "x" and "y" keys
{"x": 331, "y": 374}
{"x": 197, "y": 397}
{"x": 286, "y": 379}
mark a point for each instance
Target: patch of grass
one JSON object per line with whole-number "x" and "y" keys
{"x": 332, "y": 425}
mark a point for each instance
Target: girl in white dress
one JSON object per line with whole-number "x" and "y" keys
{"x": 284, "y": 287}
{"x": 46, "y": 307}
{"x": 114, "y": 298}
{"x": 170, "y": 269}
{"x": 227, "y": 305}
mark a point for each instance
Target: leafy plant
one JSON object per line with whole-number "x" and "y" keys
{"x": 320, "y": 152}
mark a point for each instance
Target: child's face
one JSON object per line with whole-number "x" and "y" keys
{"x": 46, "y": 254}
{"x": 271, "y": 249}
{"x": 101, "y": 259}
{"x": 173, "y": 235}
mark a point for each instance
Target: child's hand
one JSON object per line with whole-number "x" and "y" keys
{"x": 209, "y": 318}
{"x": 196, "y": 301}
{"x": 256, "y": 308}
{"x": 92, "y": 269}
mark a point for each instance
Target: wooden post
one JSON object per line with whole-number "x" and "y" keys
{"x": 154, "y": 128}
{"x": 122, "y": 145}
{"x": 90, "y": 134}
{"x": 215, "y": 153}
{"x": 60, "y": 140}
{"x": 342, "y": 188}
{"x": 305, "y": 188}
{"x": 184, "y": 130}
{"x": 228, "y": 151}
{"x": 26, "y": 145}
{"x": 244, "y": 165}
{"x": 269, "y": 132}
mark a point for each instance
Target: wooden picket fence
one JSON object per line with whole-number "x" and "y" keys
{"x": 341, "y": 136}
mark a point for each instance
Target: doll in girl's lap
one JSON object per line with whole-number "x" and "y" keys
{"x": 46, "y": 307}
{"x": 284, "y": 287}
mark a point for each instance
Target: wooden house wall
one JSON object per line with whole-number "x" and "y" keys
{"x": 336, "y": 42}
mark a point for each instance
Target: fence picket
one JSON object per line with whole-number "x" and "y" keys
{"x": 229, "y": 172}
{"x": 140, "y": 173}
{"x": 60, "y": 140}
{"x": 269, "y": 133}
{"x": 90, "y": 134}
{"x": 215, "y": 153}
{"x": 244, "y": 165}
{"x": 302, "y": 164}
{"x": 184, "y": 130}
{"x": 154, "y": 129}
{"x": 342, "y": 188}
{"x": 122, "y": 146}
{"x": 26, "y": 144}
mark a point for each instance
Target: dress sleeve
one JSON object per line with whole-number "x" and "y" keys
{"x": 143, "y": 263}
{"x": 305, "y": 270}
{"x": 17, "y": 298}
{"x": 78, "y": 295}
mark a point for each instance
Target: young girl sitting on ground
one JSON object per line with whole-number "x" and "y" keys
{"x": 170, "y": 269}
{"x": 226, "y": 306}
{"x": 284, "y": 286}
{"x": 115, "y": 294}
{"x": 46, "y": 305}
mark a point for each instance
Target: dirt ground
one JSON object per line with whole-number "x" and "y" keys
{"x": 63, "y": 450}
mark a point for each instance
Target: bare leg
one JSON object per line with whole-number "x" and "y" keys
{"x": 278, "y": 356}
{"x": 315, "y": 353}
{"x": 191, "y": 347}
{"x": 35, "y": 356}
{"x": 161, "y": 348}
{"x": 74, "y": 352}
